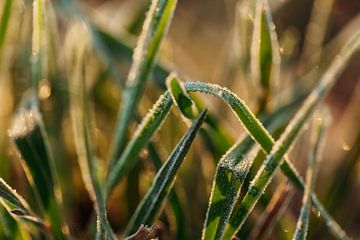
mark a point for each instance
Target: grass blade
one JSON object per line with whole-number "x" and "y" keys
{"x": 180, "y": 97}
{"x": 259, "y": 133}
{"x": 265, "y": 53}
{"x": 151, "y": 204}
{"x": 275, "y": 157}
{"x": 29, "y": 136}
{"x": 154, "y": 30}
{"x": 80, "y": 116}
{"x": 17, "y": 206}
{"x": 150, "y": 124}
{"x": 318, "y": 138}
{"x": 234, "y": 165}
{"x": 173, "y": 197}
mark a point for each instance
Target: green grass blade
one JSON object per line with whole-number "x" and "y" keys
{"x": 150, "y": 124}
{"x": 17, "y": 206}
{"x": 151, "y": 204}
{"x": 231, "y": 172}
{"x": 4, "y": 21}
{"x": 29, "y": 136}
{"x": 258, "y": 132}
{"x": 275, "y": 157}
{"x": 80, "y": 116}
{"x": 265, "y": 53}
{"x": 229, "y": 177}
{"x": 318, "y": 138}
{"x": 173, "y": 197}
{"x": 180, "y": 97}
{"x": 154, "y": 30}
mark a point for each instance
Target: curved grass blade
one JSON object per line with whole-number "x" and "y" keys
{"x": 265, "y": 53}
{"x": 80, "y": 116}
{"x": 154, "y": 30}
{"x": 258, "y": 132}
{"x": 275, "y": 157}
{"x": 151, "y": 204}
{"x": 30, "y": 138}
{"x": 149, "y": 125}
{"x": 4, "y": 21}
{"x": 173, "y": 197}
{"x": 318, "y": 138}
{"x": 17, "y": 206}
{"x": 180, "y": 97}
{"x": 230, "y": 175}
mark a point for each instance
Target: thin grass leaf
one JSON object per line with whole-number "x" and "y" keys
{"x": 80, "y": 116}
{"x": 258, "y": 132}
{"x": 151, "y": 204}
{"x": 265, "y": 53}
{"x": 5, "y": 16}
{"x": 180, "y": 97}
{"x": 275, "y": 157}
{"x": 154, "y": 30}
{"x": 17, "y": 206}
{"x": 30, "y": 138}
{"x": 173, "y": 197}
{"x": 231, "y": 172}
{"x": 317, "y": 140}
{"x": 150, "y": 124}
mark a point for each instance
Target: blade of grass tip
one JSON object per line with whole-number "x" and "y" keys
{"x": 275, "y": 157}
{"x": 154, "y": 30}
{"x": 152, "y": 203}
{"x": 4, "y": 21}
{"x": 173, "y": 196}
{"x": 149, "y": 125}
{"x": 29, "y": 136}
{"x": 265, "y": 54}
{"x": 80, "y": 116}
{"x": 180, "y": 97}
{"x": 258, "y": 132}
{"x": 18, "y": 207}
{"x": 317, "y": 142}
{"x": 231, "y": 172}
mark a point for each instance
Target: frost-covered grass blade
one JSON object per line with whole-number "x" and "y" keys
{"x": 29, "y": 136}
{"x": 173, "y": 197}
{"x": 151, "y": 204}
{"x": 150, "y": 124}
{"x": 265, "y": 53}
{"x": 231, "y": 172}
{"x": 275, "y": 157}
{"x": 154, "y": 30}
{"x": 180, "y": 97}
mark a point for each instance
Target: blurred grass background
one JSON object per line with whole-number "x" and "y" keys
{"x": 202, "y": 44}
